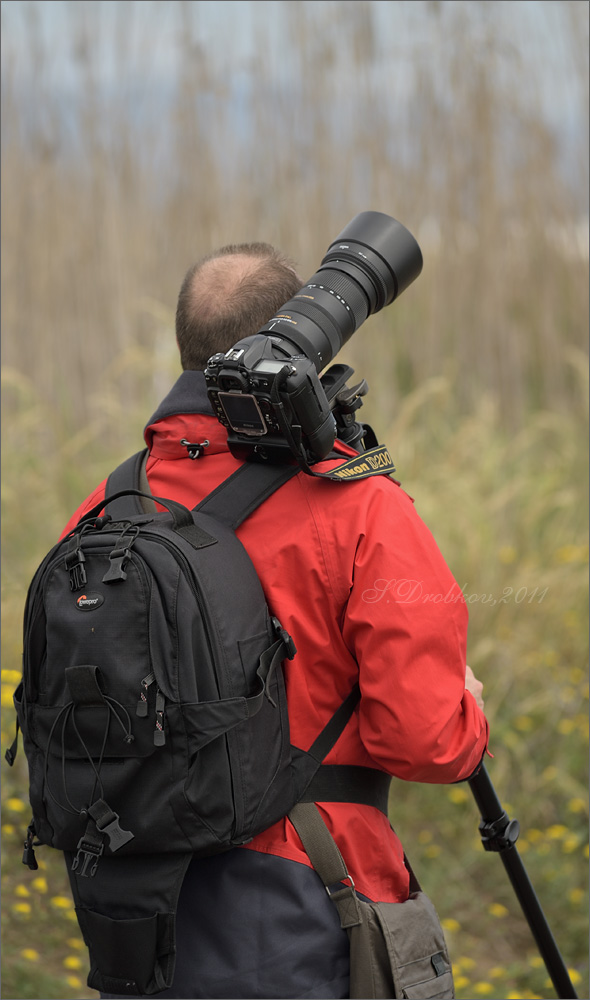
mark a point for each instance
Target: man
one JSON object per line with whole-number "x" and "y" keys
{"x": 356, "y": 578}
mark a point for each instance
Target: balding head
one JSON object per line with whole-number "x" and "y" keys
{"x": 229, "y": 295}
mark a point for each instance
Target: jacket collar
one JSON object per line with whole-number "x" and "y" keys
{"x": 184, "y": 413}
{"x": 187, "y": 395}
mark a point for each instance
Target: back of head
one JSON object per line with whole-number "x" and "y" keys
{"x": 228, "y": 295}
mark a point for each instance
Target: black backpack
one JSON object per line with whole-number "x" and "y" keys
{"x": 154, "y": 716}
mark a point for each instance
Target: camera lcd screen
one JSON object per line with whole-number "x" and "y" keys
{"x": 243, "y": 413}
{"x": 270, "y": 367}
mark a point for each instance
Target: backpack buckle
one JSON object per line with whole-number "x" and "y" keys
{"x": 87, "y": 857}
{"x": 119, "y": 556}
{"x": 74, "y": 563}
{"x": 107, "y": 824}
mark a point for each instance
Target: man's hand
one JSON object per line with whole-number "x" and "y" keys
{"x": 474, "y": 686}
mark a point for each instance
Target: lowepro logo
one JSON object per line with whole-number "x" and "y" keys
{"x": 89, "y": 602}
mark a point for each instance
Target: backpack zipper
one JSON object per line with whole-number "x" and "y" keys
{"x": 185, "y": 566}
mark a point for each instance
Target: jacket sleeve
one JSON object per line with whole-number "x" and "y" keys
{"x": 406, "y": 625}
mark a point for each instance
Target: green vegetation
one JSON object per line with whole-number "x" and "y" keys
{"x": 478, "y": 381}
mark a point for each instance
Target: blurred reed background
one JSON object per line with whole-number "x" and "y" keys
{"x": 137, "y": 136}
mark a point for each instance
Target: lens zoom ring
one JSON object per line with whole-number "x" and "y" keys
{"x": 344, "y": 286}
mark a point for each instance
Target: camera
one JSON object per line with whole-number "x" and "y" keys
{"x": 268, "y": 391}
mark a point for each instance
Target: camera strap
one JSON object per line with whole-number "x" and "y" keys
{"x": 374, "y": 462}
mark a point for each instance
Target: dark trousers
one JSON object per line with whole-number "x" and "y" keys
{"x": 252, "y": 925}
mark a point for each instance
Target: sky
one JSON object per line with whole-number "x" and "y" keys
{"x": 241, "y": 31}
{"x": 137, "y": 48}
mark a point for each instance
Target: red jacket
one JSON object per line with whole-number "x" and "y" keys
{"x": 356, "y": 578}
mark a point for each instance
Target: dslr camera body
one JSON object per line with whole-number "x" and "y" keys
{"x": 264, "y": 401}
{"x": 267, "y": 390}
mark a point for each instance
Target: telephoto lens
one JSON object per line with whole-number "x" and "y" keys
{"x": 367, "y": 266}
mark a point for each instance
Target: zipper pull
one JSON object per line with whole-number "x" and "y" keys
{"x": 142, "y": 704}
{"x": 159, "y": 734}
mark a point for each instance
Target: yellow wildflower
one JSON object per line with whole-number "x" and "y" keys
{"x": 575, "y": 895}
{"x": 24, "y": 908}
{"x": 72, "y": 962}
{"x": 497, "y": 910}
{"x": 74, "y": 982}
{"x": 62, "y": 902}
{"x": 30, "y": 954}
{"x": 21, "y": 890}
{"x": 572, "y": 553}
{"x": 15, "y": 805}
{"x": 450, "y": 924}
{"x": 457, "y": 795}
{"x": 75, "y": 943}
{"x": 40, "y": 883}
{"x": 11, "y": 676}
{"x": 576, "y": 675}
{"x": 577, "y": 805}
{"x": 566, "y": 726}
{"x": 570, "y": 844}
{"x": 557, "y": 832}
{"x": 6, "y": 696}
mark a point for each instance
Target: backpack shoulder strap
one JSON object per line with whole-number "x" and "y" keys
{"x": 242, "y": 492}
{"x": 130, "y": 475}
{"x": 231, "y": 502}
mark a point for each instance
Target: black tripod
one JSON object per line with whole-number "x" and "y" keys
{"x": 499, "y": 833}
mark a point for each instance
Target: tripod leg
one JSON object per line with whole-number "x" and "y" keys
{"x": 498, "y": 833}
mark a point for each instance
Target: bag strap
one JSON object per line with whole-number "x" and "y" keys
{"x": 324, "y": 854}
